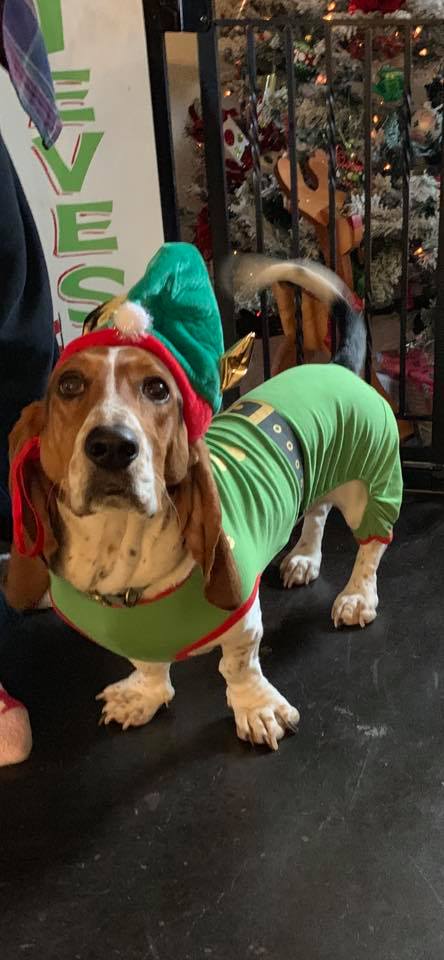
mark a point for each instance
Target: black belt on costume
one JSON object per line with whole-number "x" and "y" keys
{"x": 264, "y": 416}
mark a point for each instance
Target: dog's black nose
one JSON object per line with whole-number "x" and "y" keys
{"x": 111, "y": 448}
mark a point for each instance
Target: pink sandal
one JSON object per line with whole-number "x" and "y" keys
{"x": 15, "y": 730}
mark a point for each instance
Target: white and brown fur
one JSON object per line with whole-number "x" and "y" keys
{"x": 165, "y": 518}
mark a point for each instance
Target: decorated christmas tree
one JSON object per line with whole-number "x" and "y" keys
{"x": 308, "y": 22}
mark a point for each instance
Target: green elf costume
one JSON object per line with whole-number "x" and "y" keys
{"x": 275, "y": 452}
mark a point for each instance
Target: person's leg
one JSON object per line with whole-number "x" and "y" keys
{"x": 27, "y": 343}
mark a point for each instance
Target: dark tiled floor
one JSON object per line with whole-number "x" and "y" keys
{"x": 176, "y": 841}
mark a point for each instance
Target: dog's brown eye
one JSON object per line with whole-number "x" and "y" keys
{"x": 156, "y": 390}
{"x": 71, "y": 385}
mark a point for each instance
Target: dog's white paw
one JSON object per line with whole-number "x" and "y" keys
{"x": 353, "y": 609}
{"x": 262, "y": 716}
{"x": 298, "y": 570}
{"x": 133, "y": 701}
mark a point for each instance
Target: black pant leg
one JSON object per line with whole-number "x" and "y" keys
{"x": 28, "y": 347}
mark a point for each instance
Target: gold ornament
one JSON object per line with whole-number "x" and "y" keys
{"x": 235, "y": 362}
{"x": 103, "y": 315}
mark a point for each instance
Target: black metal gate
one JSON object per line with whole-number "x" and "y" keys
{"x": 424, "y": 465}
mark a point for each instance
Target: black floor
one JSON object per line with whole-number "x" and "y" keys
{"x": 177, "y": 841}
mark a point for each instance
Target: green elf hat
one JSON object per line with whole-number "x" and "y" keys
{"x": 172, "y": 312}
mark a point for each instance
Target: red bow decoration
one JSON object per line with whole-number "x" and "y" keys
{"x": 30, "y": 452}
{"x": 346, "y": 163}
{"x": 374, "y": 6}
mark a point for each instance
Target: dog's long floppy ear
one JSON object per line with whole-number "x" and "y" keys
{"x": 198, "y": 506}
{"x": 178, "y": 458}
{"x": 30, "y": 487}
{"x": 27, "y": 580}
{"x": 30, "y": 424}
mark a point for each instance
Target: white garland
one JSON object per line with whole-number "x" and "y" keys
{"x": 426, "y": 8}
{"x": 386, "y": 274}
{"x": 387, "y": 221}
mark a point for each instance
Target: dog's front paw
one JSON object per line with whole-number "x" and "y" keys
{"x": 133, "y": 701}
{"x": 353, "y": 609}
{"x": 298, "y": 570}
{"x": 263, "y": 716}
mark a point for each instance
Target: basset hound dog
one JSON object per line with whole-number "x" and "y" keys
{"x": 153, "y": 540}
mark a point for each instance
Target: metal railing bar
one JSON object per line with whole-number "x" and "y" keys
{"x": 216, "y": 180}
{"x": 368, "y": 177}
{"x": 438, "y": 386}
{"x": 405, "y": 255}
{"x": 253, "y": 132}
{"x": 294, "y": 199}
{"x": 331, "y": 130}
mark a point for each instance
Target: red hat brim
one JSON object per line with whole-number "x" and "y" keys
{"x": 196, "y": 411}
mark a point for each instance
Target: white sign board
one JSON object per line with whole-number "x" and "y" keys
{"x": 95, "y": 194}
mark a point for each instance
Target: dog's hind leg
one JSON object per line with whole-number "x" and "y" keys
{"x": 357, "y": 604}
{"x": 134, "y": 700}
{"x": 303, "y": 563}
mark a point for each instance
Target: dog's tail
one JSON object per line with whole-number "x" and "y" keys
{"x": 254, "y": 273}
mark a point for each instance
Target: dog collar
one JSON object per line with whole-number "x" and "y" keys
{"x": 133, "y": 596}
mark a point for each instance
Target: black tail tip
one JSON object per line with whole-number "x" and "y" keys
{"x": 352, "y": 345}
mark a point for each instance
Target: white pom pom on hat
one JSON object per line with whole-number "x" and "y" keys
{"x": 132, "y": 320}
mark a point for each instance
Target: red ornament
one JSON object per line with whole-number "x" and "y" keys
{"x": 195, "y": 127}
{"x": 356, "y": 48}
{"x": 229, "y": 137}
{"x": 202, "y": 235}
{"x": 346, "y": 163}
{"x": 271, "y": 139}
{"x": 389, "y": 46}
{"x": 235, "y": 173}
{"x": 374, "y": 6}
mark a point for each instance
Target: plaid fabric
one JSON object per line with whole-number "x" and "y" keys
{"x": 23, "y": 54}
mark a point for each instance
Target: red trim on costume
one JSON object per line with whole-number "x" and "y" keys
{"x": 9, "y": 703}
{"x": 69, "y": 623}
{"x": 387, "y": 540}
{"x": 226, "y": 625}
{"x": 30, "y": 452}
{"x": 197, "y": 412}
{"x": 165, "y": 593}
{"x": 185, "y": 653}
